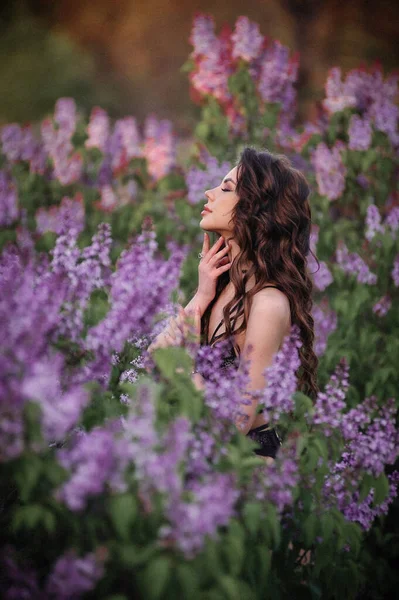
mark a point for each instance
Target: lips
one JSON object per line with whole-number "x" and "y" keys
{"x": 206, "y": 208}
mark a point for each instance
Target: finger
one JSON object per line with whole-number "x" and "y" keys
{"x": 216, "y": 246}
{"x": 219, "y": 254}
{"x": 205, "y": 243}
{"x": 223, "y": 268}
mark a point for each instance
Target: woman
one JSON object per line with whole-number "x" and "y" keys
{"x": 253, "y": 283}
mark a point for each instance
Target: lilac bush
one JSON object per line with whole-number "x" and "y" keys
{"x": 115, "y": 465}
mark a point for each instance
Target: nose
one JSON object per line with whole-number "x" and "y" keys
{"x": 208, "y": 194}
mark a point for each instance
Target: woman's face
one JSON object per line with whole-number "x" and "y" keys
{"x": 221, "y": 201}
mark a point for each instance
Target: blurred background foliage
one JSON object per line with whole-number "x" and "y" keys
{"x": 126, "y": 55}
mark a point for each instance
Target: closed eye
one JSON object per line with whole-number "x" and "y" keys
{"x": 225, "y": 190}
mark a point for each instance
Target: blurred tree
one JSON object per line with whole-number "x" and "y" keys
{"x": 38, "y": 66}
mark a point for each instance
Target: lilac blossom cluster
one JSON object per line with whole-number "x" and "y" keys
{"x": 276, "y": 72}
{"x": 70, "y": 214}
{"x": 373, "y": 97}
{"x": 325, "y": 323}
{"x": 83, "y": 272}
{"x": 139, "y": 288}
{"x": 322, "y": 276}
{"x": 212, "y": 57}
{"x": 9, "y": 208}
{"x": 247, "y": 39}
{"x": 331, "y": 402}
{"x": 277, "y": 396}
{"x": 371, "y": 444}
{"x": 395, "y": 271}
{"x": 212, "y": 505}
{"x": 224, "y": 386}
{"x": 360, "y": 132}
{"x": 57, "y": 142}
{"x": 275, "y": 482}
{"x": 352, "y": 264}
{"x": 93, "y": 460}
{"x": 270, "y": 65}
{"x": 199, "y": 180}
{"x": 330, "y": 170}
{"x": 32, "y": 295}
{"x": 382, "y": 307}
{"x": 71, "y": 576}
{"x": 373, "y": 222}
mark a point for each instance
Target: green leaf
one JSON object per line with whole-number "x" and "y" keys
{"x": 172, "y": 361}
{"x": 188, "y": 579}
{"x": 123, "y": 511}
{"x": 155, "y": 576}
{"x": 252, "y": 514}
{"x": 229, "y": 585}
{"x": 27, "y": 475}
{"x": 381, "y": 489}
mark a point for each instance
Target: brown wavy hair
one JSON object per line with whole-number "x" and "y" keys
{"x": 271, "y": 225}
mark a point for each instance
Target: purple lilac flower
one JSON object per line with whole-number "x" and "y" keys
{"x": 98, "y": 129}
{"x": 247, "y": 39}
{"x": 17, "y": 581}
{"x": 395, "y": 271}
{"x": 373, "y": 222}
{"x": 277, "y": 396}
{"x": 357, "y": 418}
{"x": 212, "y": 506}
{"x": 212, "y": 57}
{"x": 9, "y": 210}
{"x": 131, "y": 139}
{"x": 330, "y": 403}
{"x": 383, "y": 305}
{"x": 91, "y": 462}
{"x": 275, "y": 482}
{"x": 68, "y": 165}
{"x": 61, "y": 409}
{"x": 359, "y": 133}
{"x": 83, "y": 271}
{"x": 385, "y": 114}
{"x": 199, "y": 180}
{"x": 276, "y": 73}
{"x": 370, "y": 94}
{"x": 65, "y": 115}
{"x": 372, "y": 443}
{"x": 73, "y": 576}
{"x": 31, "y": 298}
{"x": 363, "y": 181}
{"x": 330, "y": 170}
{"x": 140, "y": 287}
{"x": 353, "y": 264}
{"x": 392, "y": 220}
{"x": 325, "y": 323}
{"x": 365, "y": 512}
{"x": 322, "y": 276}
{"x": 202, "y": 36}
{"x": 224, "y": 386}
{"x": 18, "y": 142}
{"x": 159, "y": 147}
{"x": 70, "y": 214}
{"x": 337, "y": 97}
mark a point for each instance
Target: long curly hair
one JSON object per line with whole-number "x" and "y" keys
{"x": 271, "y": 225}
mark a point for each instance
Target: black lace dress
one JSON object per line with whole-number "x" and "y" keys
{"x": 266, "y": 436}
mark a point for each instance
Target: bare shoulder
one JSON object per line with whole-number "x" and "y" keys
{"x": 273, "y": 302}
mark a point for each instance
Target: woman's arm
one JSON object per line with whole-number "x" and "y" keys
{"x": 268, "y": 323}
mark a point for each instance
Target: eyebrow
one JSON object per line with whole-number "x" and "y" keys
{"x": 228, "y": 179}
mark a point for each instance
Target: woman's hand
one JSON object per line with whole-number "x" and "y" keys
{"x": 214, "y": 262}
{"x": 185, "y": 326}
